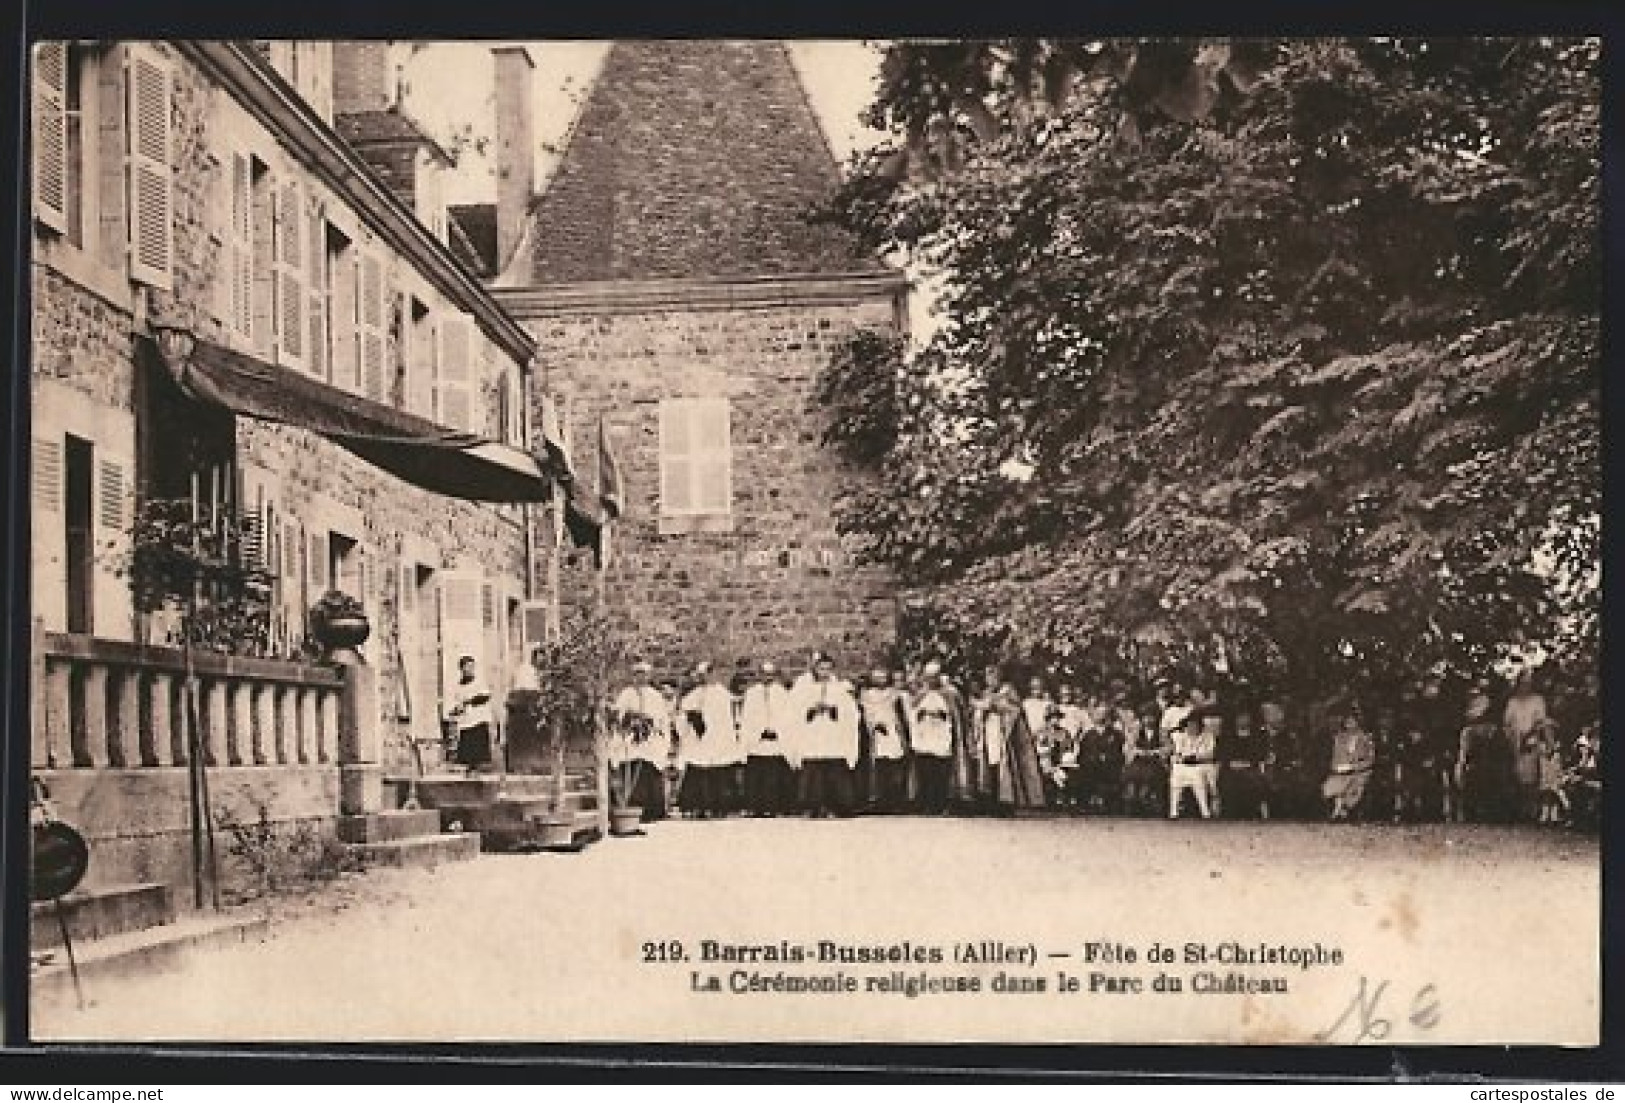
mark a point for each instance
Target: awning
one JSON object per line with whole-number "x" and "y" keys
{"x": 455, "y": 464}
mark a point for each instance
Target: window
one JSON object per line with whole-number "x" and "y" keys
{"x": 103, "y": 154}
{"x": 696, "y": 464}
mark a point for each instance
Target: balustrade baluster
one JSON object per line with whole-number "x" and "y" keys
{"x": 327, "y": 732}
{"x": 158, "y": 733}
{"x": 215, "y": 722}
{"x": 305, "y": 733}
{"x": 58, "y": 713}
{"x": 287, "y": 723}
{"x": 124, "y": 716}
{"x": 90, "y": 747}
{"x": 267, "y": 727}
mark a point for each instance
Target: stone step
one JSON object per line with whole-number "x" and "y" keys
{"x": 138, "y": 953}
{"x": 101, "y": 913}
{"x": 441, "y": 790}
{"x": 383, "y": 826}
{"x": 542, "y": 784}
{"x": 422, "y": 851}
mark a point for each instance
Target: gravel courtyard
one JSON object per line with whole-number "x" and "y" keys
{"x": 1441, "y": 934}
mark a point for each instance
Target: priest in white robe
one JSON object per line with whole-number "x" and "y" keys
{"x": 886, "y": 739}
{"x": 640, "y": 744}
{"x": 934, "y": 732}
{"x": 709, "y": 747}
{"x": 767, "y": 728}
{"x": 828, "y": 744}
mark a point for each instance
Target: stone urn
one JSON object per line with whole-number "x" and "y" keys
{"x": 340, "y": 625}
{"x": 346, "y": 632}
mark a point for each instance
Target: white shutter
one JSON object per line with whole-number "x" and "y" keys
{"x": 50, "y": 576}
{"x": 240, "y": 247}
{"x": 114, "y": 607}
{"x": 676, "y": 460}
{"x": 460, "y": 628}
{"x": 711, "y": 457}
{"x": 371, "y": 315}
{"x": 151, "y": 178}
{"x": 316, "y": 354}
{"x": 291, "y": 236}
{"x": 262, "y": 261}
{"x": 319, "y": 582}
{"x": 341, "y": 322}
{"x": 50, "y": 154}
{"x": 456, "y": 376}
{"x": 394, "y": 392}
{"x": 47, "y": 476}
{"x": 488, "y": 412}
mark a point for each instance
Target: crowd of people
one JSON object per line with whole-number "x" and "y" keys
{"x": 915, "y": 741}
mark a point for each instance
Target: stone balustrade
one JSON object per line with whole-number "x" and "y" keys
{"x": 106, "y": 703}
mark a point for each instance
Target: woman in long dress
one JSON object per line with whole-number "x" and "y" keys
{"x": 1526, "y": 723}
{"x": 1354, "y": 755}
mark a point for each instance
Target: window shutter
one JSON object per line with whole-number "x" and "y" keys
{"x": 240, "y": 247}
{"x": 676, "y": 460}
{"x": 262, "y": 260}
{"x": 456, "y": 376}
{"x": 318, "y": 565}
{"x": 713, "y": 466}
{"x": 488, "y": 605}
{"x": 290, "y": 292}
{"x": 110, "y": 496}
{"x": 341, "y": 321}
{"x": 493, "y": 428}
{"x": 113, "y": 604}
{"x": 395, "y": 378}
{"x": 151, "y": 178}
{"x": 51, "y": 134}
{"x": 317, "y": 355}
{"x": 371, "y": 325}
{"x": 48, "y": 475}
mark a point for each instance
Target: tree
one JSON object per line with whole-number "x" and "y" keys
{"x": 1294, "y": 343}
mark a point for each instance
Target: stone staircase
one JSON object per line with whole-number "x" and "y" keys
{"x": 507, "y": 812}
{"x": 404, "y": 838}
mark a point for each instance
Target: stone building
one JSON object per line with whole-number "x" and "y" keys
{"x": 679, "y": 293}
{"x": 287, "y": 226}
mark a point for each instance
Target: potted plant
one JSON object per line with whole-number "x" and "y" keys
{"x": 573, "y": 670}
{"x": 624, "y": 733}
{"x": 339, "y": 622}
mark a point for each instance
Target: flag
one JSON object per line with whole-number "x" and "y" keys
{"x": 610, "y": 484}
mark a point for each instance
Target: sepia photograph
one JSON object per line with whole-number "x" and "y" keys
{"x": 1023, "y": 540}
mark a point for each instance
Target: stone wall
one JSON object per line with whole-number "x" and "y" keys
{"x": 138, "y": 823}
{"x": 780, "y": 582}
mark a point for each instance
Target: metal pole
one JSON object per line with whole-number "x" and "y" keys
{"x": 67, "y": 944}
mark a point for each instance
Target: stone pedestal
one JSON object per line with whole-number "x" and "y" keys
{"x": 360, "y": 738}
{"x": 361, "y": 789}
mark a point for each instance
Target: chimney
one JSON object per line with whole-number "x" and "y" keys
{"x": 516, "y": 145}
{"x": 362, "y": 80}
